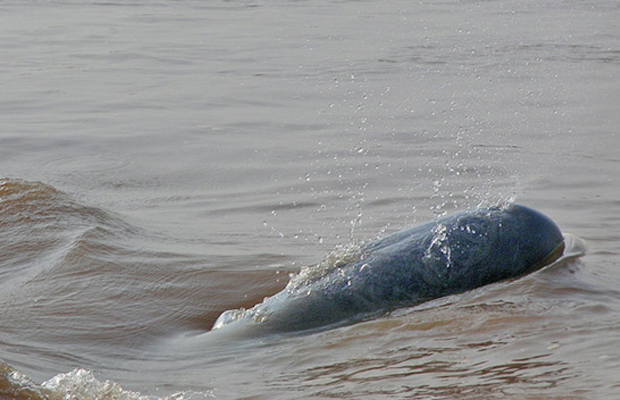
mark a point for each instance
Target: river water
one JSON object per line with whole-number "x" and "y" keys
{"x": 164, "y": 161}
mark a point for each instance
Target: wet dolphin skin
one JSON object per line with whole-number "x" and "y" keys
{"x": 450, "y": 255}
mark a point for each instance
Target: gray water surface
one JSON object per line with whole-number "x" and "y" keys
{"x": 161, "y": 162}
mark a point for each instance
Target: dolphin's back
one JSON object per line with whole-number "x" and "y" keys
{"x": 450, "y": 255}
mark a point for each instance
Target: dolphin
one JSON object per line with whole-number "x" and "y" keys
{"x": 449, "y": 255}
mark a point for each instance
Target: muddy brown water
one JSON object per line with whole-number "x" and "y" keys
{"x": 162, "y": 162}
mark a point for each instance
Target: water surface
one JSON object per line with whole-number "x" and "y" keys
{"x": 162, "y": 162}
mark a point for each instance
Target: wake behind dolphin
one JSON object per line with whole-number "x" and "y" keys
{"x": 451, "y": 255}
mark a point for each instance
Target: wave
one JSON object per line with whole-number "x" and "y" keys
{"x": 78, "y": 384}
{"x": 82, "y": 287}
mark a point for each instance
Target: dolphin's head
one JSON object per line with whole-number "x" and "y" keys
{"x": 530, "y": 236}
{"x": 486, "y": 245}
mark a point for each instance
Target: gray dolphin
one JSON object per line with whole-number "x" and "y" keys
{"x": 450, "y": 255}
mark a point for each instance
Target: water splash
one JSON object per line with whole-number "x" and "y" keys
{"x": 78, "y": 384}
{"x": 341, "y": 256}
{"x": 439, "y": 243}
{"x": 81, "y": 384}
{"x": 336, "y": 259}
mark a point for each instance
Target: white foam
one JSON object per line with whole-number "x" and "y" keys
{"x": 336, "y": 259}
{"x": 574, "y": 246}
{"x": 339, "y": 257}
{"x": 81, "y": 384}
